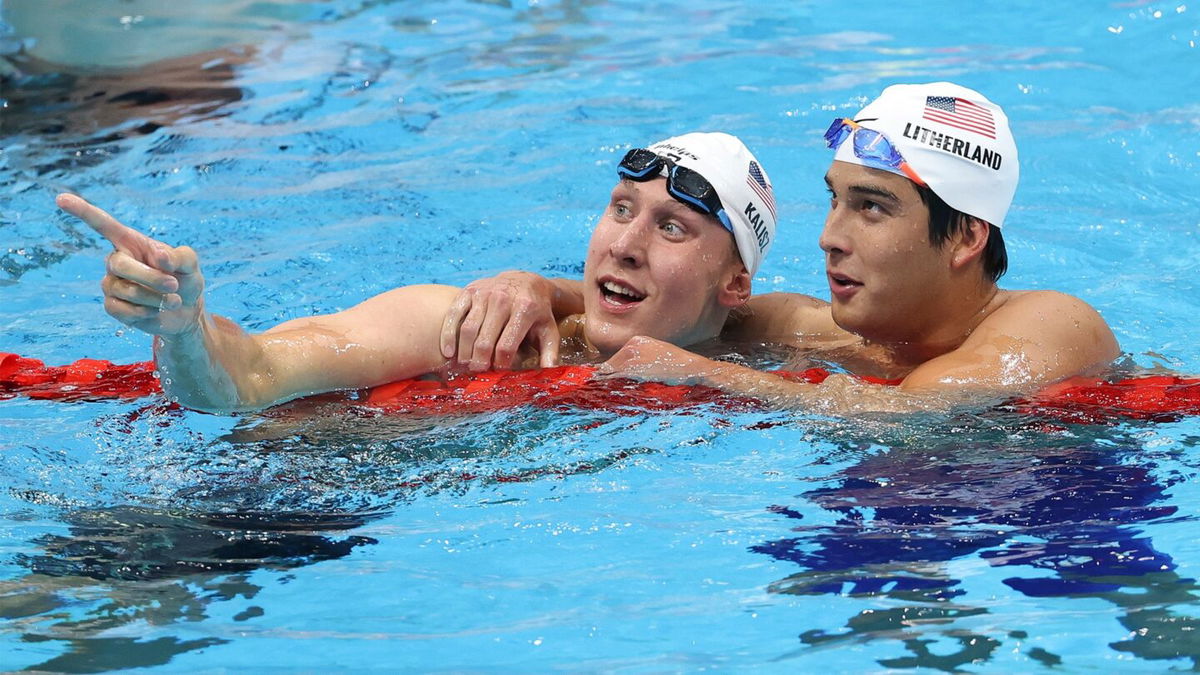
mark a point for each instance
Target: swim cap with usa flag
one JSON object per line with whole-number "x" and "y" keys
{"x": 954, "y": 138}
{"x": 740, "y": 182}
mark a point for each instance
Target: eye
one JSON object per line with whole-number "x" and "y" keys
{"x": 621, "y": 210}
{"x": 672, "y": 229}
{"x": 874, "y": 207}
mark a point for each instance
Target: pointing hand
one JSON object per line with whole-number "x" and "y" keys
{"x": 149, "y": 285}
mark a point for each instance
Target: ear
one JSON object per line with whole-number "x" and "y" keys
{"x": 968, "y": 242}
{"x": 735, "y": 291}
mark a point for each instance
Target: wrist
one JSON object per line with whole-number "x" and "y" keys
{"x": 183, "y": 343}
{"x": 719, "y": 374}
{"x": 566, "y": 296}
{"x": 188, "y": 334}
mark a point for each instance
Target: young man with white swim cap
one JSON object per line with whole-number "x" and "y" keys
{"x": 920, "y": 186}
{"x": 665, "y": 259}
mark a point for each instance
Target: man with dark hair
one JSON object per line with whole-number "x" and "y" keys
{"x": 920, "y": 185}
{"x": 945, "y": 220}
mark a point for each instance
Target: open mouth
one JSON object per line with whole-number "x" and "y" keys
{"x": 620, "y": 294}
{"x": 842, "y": 282}
{"x": 843, "y": 286}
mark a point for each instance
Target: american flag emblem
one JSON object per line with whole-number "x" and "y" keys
{"x": 758, "y": 182}
{"x": 960, "y": 114}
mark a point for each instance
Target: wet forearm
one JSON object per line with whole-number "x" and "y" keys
{"x": 764, "y": 386}
{"x": 836, "y": 395}
{"x": 213, "y": 368}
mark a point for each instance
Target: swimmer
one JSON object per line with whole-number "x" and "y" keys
{"x": 919, "y": 188}
{"x": 671, "y": 256}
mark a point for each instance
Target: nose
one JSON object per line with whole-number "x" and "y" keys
{"x": 833, "y": 236}
{"x": 629, "y": 247}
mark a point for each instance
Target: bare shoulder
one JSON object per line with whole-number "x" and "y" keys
{"x": 1032, "y": 338}
{"x": 782, "y": 316}
{"x": 1041, "y": 298}
{"x": 1048, "y": 314}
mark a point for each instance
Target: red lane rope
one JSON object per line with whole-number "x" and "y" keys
{"x": 1159, "y": 398}
{"x": 83, "y": 380}
{"x": 1081, "y": 400}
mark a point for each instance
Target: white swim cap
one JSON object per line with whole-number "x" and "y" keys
{"x": 740, "y": 182}
{"x": 954, "y": 138}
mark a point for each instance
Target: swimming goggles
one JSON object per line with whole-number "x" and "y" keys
{"x": 872, "y": 147}
{"x": 683, "y": 184}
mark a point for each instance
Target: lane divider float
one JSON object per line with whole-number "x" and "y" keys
{"x": 1077, "y": 400}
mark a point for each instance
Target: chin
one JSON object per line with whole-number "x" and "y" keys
{"x": 873, "y": 330}
{"x": 851, "y": 322}
{"x": 843, "y": 319}
{"x": 607, "y": 339}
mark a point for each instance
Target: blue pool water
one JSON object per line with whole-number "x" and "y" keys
{"x": 316, "y": 153}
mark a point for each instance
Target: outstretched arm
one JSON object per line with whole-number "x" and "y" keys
{"x": 221, "y": 368}
{"x": 209, "y": 363}
{"x": 1034, "y": 340}
{"x": 644, "y": 358}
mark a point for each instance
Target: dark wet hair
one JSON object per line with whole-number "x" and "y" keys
{"x": 945, "y": 220}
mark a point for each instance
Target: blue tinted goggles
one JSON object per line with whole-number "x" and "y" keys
{"x": 872, "y": 147}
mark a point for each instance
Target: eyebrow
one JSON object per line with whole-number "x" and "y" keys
{"x": 870, "y": 189}
{"x": 673, "y": 206}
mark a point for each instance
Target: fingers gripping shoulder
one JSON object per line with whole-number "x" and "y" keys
{"x": 492, "y": 319}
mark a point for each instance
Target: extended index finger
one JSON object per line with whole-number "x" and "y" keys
{"x": 122, "y": 237}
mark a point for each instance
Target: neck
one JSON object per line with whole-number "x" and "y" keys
{"x": 573, "y": 338}
{"x": 956, "y": 320}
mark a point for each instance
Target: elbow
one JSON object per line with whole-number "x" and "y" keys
{"x": 205, "y": 402}
{"x": 221, "y": 395}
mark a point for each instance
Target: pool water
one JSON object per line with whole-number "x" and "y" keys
{"x": 316, "y": 153}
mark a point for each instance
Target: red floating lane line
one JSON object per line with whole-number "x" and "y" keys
{"x": 1080, "y": 400}
{"x": 83, "y": 380}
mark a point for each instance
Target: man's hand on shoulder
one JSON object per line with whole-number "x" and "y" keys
{"x": 491, "y": 319}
